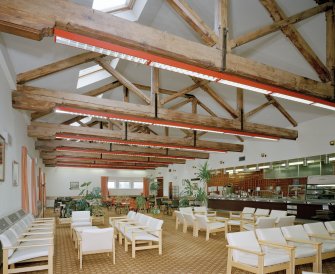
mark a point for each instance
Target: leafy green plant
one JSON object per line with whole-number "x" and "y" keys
{"x": 184, "y": 202}
{"x": 204, "y": 175}
{"x": 201, "y": 196}
{"x": 140, "y": 202}
{"x": 188, "y": 189}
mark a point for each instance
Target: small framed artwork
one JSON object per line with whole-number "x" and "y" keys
{"x": 2, "y": 159}
{"x": 15, "y": 172}
{"x": 74, "y": 185}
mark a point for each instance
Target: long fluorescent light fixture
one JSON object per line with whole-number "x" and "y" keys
{"x": 157, "y": 122}
{"x": 106, "y": 48}
{"x": 81, "y": 165}
{"x": 132, "y": 143}
{"x": 67, "y": 158}
{"x": 123, "y": 153}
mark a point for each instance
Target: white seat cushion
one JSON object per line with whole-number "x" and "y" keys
{"x": 216, "y": 225}
{"x": 28, "y": 253}
{"x": 81, "y": 224}
{"x": 141, "y": 236}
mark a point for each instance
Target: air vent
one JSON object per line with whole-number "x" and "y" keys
{"x": 242, "y": 158}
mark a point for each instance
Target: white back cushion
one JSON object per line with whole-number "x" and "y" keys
{"x": 316, "y": 228}
{"x": 200, "y": 209}
{"x": 97, "y": 239}
{"x": 248, "y": 210}
{"x": 80, "y": 215}
{"x": 187, "y": 210}
{"x": 265, "y": 222}
{"x": 246, "y": 240}
{"x": 8, "y": 239}
{"x": 278, "y": 213}
{"x": 189, "y": 218}
{"x": 330, "y": 226}
{"x": 155, "y": 224}
{"x": 295, "y": 232}
{"x": 285, "y": 221}
{"x": 261, "y": 211}
{"x": 179, "y": 216}
{"x": 201, "y": 221}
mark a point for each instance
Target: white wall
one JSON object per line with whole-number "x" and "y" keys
{"x": 314, "y": 138}
{"x": 15, "y": 123}
{"x": 58, "y": 179}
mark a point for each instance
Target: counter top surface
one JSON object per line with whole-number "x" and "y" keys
{"x": 284, "y": 200}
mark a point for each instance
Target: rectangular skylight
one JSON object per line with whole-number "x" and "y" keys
{"x": 109, "y": 5}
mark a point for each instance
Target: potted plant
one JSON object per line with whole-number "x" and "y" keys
{"x": 140, "y": 202}
{"x": 154, "y": 190}
{"x": 204, "y": 175}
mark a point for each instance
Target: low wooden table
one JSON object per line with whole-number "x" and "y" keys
{"x": 98, "y": 219}
{"x": 64, "y": 221}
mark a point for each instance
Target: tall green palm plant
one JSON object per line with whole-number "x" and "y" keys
{"x": 204, "y": 175}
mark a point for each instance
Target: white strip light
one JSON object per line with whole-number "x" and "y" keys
{"x": 183, "y": 71}
{"x": 323, "y": 106}
{"x": 238, "y": 85}
{"x": 263, "y": 167}
{"x": 75, "y": 44}
{"x": 295, "y": 99}
{"x": 296, "y": 163}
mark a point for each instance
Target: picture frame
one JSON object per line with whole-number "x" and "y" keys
{"x": 15, "y": 173}
{"x": 2, "y": 159}
{"x": 74, "y": 185}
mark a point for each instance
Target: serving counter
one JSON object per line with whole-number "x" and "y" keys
{"x": 302, "y": 209}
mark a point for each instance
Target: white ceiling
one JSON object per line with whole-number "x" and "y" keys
{"x": 275, "y": 50}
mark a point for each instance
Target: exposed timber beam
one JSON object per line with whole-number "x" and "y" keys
{"x": 180, "y": 104}
{"x": 206, "y": 108}
{"x": 122, "y": 79}
{"x": 115, "y": 148}
{"x": 299, "y": 42}
{"x": 161, "y": 90}
{"x": 330, "y": 38}
{"x": 282, "y": 110}
{"x": 221, "y": 23}
{"x": 253, "y": 35}
{"x": 218, "y": 99}
{"x": 56, "y": 67}
{"x": 194, "y": 21}
{"x": 32, "y": 98}
{"x": 49, "y": 131}
{"x": 108, "y": 28}
{"x": 183, "y": 91}
{"x": 257, "y": 109}
{"x": 93, "y": 93}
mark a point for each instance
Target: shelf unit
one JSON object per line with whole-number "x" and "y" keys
{"x": 320, "y": 192}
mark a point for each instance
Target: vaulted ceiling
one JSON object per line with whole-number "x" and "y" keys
{"x": 295, "y": 51}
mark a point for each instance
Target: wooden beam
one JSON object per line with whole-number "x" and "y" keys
{"x": 32, "y": 98}
{"x": 330, "y": 38}
{"x": 56, "y": 67}
{"x": 46, "y": 130}
{"x": 218, "y": 99}
{"x": 221, "y": 22}
{"x": 154, "y": 94}
{"x": 122, "y": 79}
{"x": 206, "y": 108}
{"x": 206, "y": 34}
{"x": 240, "y": 103}
{"x": 299, "y": 42}
{"x": 52, "y": 145}
{"x": 194, "y": 106}
{"x": 180, "y": 104}
{"x": 183, "y": 91}
{"x": 257, "y": 109}
{"x": 108, "y": 28}
{"x": 161, "y": 90}
{"x": 253, "y": 35}
{"x": 93, "y": 93}
{"x": 282, "y": 110}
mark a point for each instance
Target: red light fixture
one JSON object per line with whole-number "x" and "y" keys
{"x": 133, "y": 143}
{"x": 67, "y": 159}
{"x": 91, "y": 44}
{"x": 123, "y": 153}
{"x": 157, "y": 122}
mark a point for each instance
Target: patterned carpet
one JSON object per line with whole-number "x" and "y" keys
{"x": 182, "y": 253}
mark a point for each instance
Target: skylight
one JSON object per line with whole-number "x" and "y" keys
{"x": 112, "y": 5}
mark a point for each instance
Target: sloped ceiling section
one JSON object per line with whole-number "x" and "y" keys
{"x": 139, "y": 97}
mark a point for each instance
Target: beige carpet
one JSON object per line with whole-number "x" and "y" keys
{"x": 182, "y": 253}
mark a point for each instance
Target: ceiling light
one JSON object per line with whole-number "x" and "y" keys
{"x": 291, "y": 98}
{"x": 106, "y": 48}
{"x": 123, "y": 153}
{"x": 324, "y": 106}
{"x": 133, "y": 143}
{"x": 296, "y": 163}
{"x": 264, "y": 167}
{"x": 80, "y": 165}
{"x": 252, "y": 168}
{"x": 68, "y": 158}
{"x": 156, "y": 122}
{"x": 332, "y": 159}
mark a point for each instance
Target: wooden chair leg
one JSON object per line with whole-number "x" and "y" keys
{"x": 50, "y": 261}
{"x": 113, "y": 251}
{"x": 229, "y": 267}
{"x": 81, "y": 259}
{"x": 184, "y": 227}
{"x": 207, "y": 234}
{"x": 133, "y": 246}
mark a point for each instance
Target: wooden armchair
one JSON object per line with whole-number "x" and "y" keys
{"x": 92, "y": 241}
{"x": 210, "y": 226}
{"x": 306, "y": 252}
{"x": 246, "y": 253}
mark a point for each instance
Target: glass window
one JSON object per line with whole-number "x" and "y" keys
{"x": 138, "y": 185}
{"x": 124, "y": 185}
{"x": 111, "y": 184}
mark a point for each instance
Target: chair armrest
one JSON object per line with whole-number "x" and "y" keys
{"x": 211, "y": 212}
{"x": 134, "y": 227}
{"x": 36, "y": 233}
{"x": 303, "y": 241}
{"x": 246, "y": 250}
{"x": 147, "y": 230}
{"x": 26, "y": 246}
{"x": 120, "y": 217}
{"x": 35, "y": 239}
{"x": 277, "y": 245}
{"x": 321, "y": 236}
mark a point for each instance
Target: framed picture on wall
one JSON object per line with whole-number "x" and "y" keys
{"x": 2, "y": 159}
{"x": 15, "y": 173}
{"x": 74, "y": 185}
